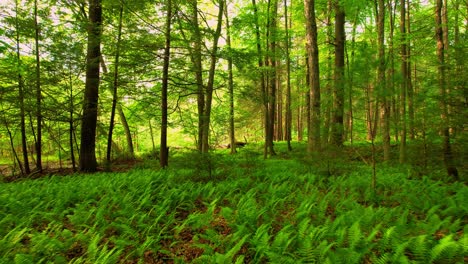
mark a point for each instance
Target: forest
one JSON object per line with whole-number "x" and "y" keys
{"x": 229, "y": 131}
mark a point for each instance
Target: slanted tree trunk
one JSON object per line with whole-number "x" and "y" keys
{"x": 164, "y": 150}
{"x": 115, "y": 85}
{"x": 441, "y": 69}
{"x": 232, "y": 137}
{"x": 313, "y": 138}
{"x": 88, "y": 161}
{"x": 38, "y": 94}
{"x": 338, "y": 91}
{"x": 24, "y": 144}
{"x": 210, "y": 84}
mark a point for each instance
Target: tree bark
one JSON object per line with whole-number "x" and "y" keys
{"x": 88, "y": 161}
{"x": 313, "y": 138}
{"x": 381, "y": 81}
{"x": 262, "y": 78}
{"x": 164, "y": 150}
{"x": 404, "y": 82}
{"x": 232, "y": 137}
{"x": 288, "y": 126}
{"x": 338, "y": 92}
{"x": 24, "y": 144}
{"x": 441, "y": 69}
{"x": 210, "y": 84}
{"x": 38, "y": 94}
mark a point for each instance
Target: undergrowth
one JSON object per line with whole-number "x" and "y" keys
{"x": 235, "y": 209}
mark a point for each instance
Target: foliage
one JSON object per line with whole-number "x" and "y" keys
{"x": 246, "y": 210}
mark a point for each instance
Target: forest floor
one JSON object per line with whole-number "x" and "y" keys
{"x": 222, "y": 208}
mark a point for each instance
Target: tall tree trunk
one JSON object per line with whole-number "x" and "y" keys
{"x": 381, "y": 82}
{"x": 338, "y": 91}
{"x": 197, "y": 64}
{"x": 327, "y": 101}
{"x": 38, "y": 94}
{"x": 210, "y": 84}
{"x": 271, "y": 61}
{"x": 24, "y": 144}
{"x": 394, "y": 111}
{"x": 71, "y": 120}
{"x": 120, "y": 112}
{"x": 262, "y": 78}
{"x": 114, "y": 87}
{"x": 409, "y": 88}
{"x": 448, "y": 156}
{"x": 351, "y": 80}
{"x": 164, "y": 150}
{"x": 88, "y": 161}
{"x": 232, "y": 137}
{"x": 404, "y": 82}
{"x": 313, "y": 138}
{"x": 288, "y": 78}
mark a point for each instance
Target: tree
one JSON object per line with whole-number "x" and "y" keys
{"x": 38, "y": 94}
{"x": 441, "y": 70}
{"x": 164, "y": 150}
{"x": 88, "y": 161}
{"x": 405, "y": 79}
{"x": 313, "y": 137}
{"x": 27, "y": 170}
{"x": 115, "y": 85}
{"x": 232, "y": 137}
{"x": 381, "y": 81}
{"x": 338, "y": 92}
{"x": 288, "y": 78}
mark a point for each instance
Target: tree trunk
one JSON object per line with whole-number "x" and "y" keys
{"x": 448, "y": 156}
{"x": 38, "y": 94}
{"x": 88, "y": 161}
{"x": 114, "y": 87}
{"x": 288, "y": 126}
{"x": 232, "y": 137}
{"x": 262, "y": 78}
{"x": 338, "y": 92}
{"x": 271, "y": 61}
{"x": 404, "y": 82}
{"x": 313, "y": 137}
{"x": 71, "y": 119}
{"x": 210, "y": 84}
{"x": 381, "y": 82}
{"x": 164, "y": 150}
{"x": 24, "y": 144}
{"x": 197, "y": 64}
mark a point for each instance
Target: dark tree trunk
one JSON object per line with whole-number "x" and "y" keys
{"x": 404, "y": 82}
{"x": 338, "y": 92}
{"x": 448, "y": 156}
{"x": 114, "y": 88}
{"x": 38, "y": 94}
{"x": 232, "y": 137}
{"x": 288, "y": 126}
{"x": 313, "y": 137}
{"x": 164, "y": 150}
{"x": 88, "y": 161}
{"x": 262, "y": 78}
{"x": 210, "y": 84}
{"x": 24, "y": 144}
